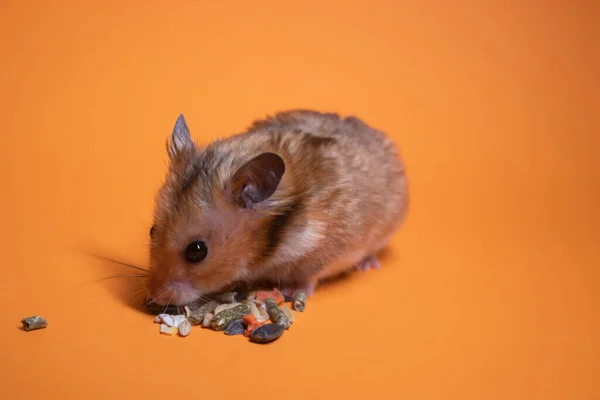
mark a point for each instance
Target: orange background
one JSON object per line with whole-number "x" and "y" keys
{"x": 490, "y": 291}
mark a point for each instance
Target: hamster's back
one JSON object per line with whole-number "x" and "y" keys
{"x": 352, "y": 175}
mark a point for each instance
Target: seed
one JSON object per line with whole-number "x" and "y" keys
{"x": 223, "y": 307}
{"x": 222, "y": 319}
{"x": 288, "y": 313}
{"x": 299, "y": 301}
{"x": 276, "y": 314}
{"x": 267, "y": 333}
{"x": 235, "y": 328}
{"x": 229, "y": 297}
{"x": 168, "y": 330}
{"x": 34, "y": 323}
{"x": 185, "y": 327}
{"x": 197, "y": 316}
{"x": 207, "y": 318}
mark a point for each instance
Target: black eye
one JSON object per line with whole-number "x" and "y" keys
{"x": 196, "y": 252}
{"x": 152, "y": 231}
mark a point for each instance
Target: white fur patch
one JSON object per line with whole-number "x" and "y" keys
{"x": 298, "y": 243}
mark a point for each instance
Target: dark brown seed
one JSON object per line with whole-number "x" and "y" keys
{"x": 267, "y": 333}
{"x": 236, "y": 327}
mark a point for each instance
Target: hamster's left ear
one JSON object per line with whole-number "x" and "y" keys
{"x": 180, "y": 138}
{"x": 257, "y": 180}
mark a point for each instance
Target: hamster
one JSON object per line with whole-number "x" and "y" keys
{"x": 299, "y": 197}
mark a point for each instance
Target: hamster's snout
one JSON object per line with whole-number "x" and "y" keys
{"x": 176, "y": 293}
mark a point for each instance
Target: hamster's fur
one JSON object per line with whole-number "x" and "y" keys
{"x": 297, "y": 198}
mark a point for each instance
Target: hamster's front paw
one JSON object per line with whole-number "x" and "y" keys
{"x": 367, "y": 263}
{"x": 308, "y": 289}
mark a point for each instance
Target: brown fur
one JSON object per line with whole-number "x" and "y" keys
{"x": 343, "y": 194}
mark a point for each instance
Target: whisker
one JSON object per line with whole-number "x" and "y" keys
{"x": 118, "y": 262}
{"x": 121, "y": 276}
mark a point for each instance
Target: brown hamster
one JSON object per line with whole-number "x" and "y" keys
{"x": 297, "y": 198}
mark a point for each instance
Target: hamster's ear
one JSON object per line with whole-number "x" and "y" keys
{"x": 180, "y": 138}
{"x": 257, "y": 180}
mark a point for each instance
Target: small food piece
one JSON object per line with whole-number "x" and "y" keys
{"x": 274, "y": 294}
{"x": 168, "y": 330}
{"x": 276, "y": 314}
{"x": 267, "y": 333}
{"x": 253, "y": 309}
{"x": 228, "y": 297}
{"x": 197, "y": 316}
{"x": 251, "y": 296}
{"x": 235, "y": 327}
{"x": 288, "y": 313}
{"x": 169, "y": 320}
{"x": 251, "y": 323}
{"x": 222, "y": 319}
{"x": 185, "y": 327}
{"x": 249, "y": 319}
{"x": 207, "y": 318}
{"x": 33, "y": 323}
{"x": 299, "y": 301}
{"x": 264, "y": 315}
{"x": 223, "y": 307}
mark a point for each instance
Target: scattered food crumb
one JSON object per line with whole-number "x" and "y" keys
{"x": 168, "y": 330}
{"x": 34, "y": 323}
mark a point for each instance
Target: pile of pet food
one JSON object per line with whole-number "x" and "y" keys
{"x": 262, "y": 315}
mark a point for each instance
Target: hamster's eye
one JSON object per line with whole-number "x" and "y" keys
{"x": 195, "y": 252}
{"x": 152, "y": 231}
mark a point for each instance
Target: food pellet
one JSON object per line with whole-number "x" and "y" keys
{"x": 222, "y": 319}
{"x": 299, "y": 301}
{"x": 223, "y": 307}
{"x": 276, "y": 314}
{"x": 33, "y": 323}
{"x": 197, "y": 316}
